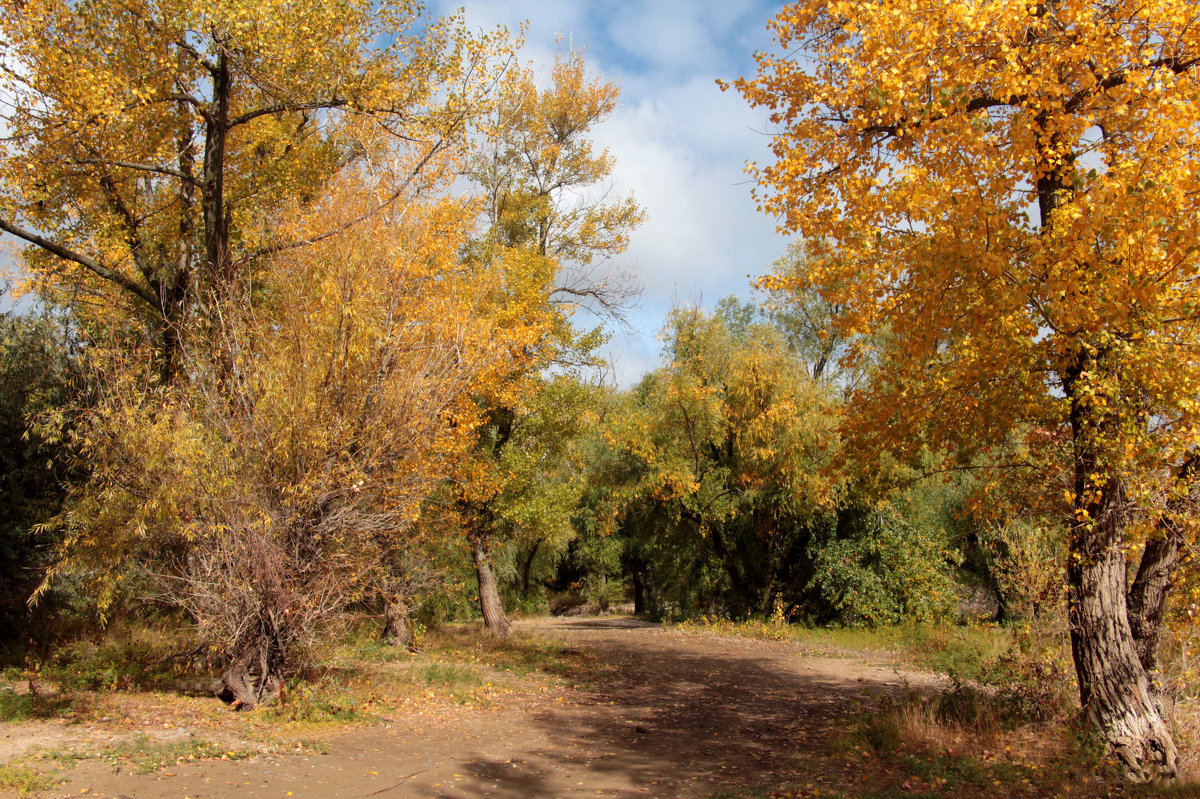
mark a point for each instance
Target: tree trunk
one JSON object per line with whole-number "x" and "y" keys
{"x": 255, "y": 677}
{"x": 527, "y": 568}
{"x": 490, "y": 605}
{"x": 639, "y": 592}
{"x": 1148, "y": 594}
{"x": 1114, "y": 688}
{"x": 396, "y": 629}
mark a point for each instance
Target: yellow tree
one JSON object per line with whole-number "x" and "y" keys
{"x": 1012, "y": 188}
{"x": 148, "y": 146}
{"x": 282, "y": 478}
{"x": 544, "y": 230}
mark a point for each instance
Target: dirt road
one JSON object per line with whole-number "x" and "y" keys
{"x": 680, "y": 715}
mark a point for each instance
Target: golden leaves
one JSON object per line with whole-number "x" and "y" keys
{"x": 1000, "y": 187}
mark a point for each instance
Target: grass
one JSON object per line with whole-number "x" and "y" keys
{"x": 967, "y": 651}
{"x": 128, "y": 682}
{"x": 24, "y": 780}
{"x": 361, "y": 681}
{"x": 146, "y": 755}
{"x": 15, "y": 707}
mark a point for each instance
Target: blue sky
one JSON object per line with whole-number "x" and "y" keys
{"x": 680, "y": 143}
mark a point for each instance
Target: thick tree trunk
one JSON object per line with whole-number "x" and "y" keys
{"x": 255, "y": 677}
{"x": 1114, "y": 687}
{"x": 396, "y": 628}
{"x": 1148, "y": 594}
{"x": 490, "y": 605}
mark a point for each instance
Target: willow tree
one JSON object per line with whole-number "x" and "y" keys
{"x": 147, "y": 146}
{"x": 282, "y": 478}
{"x": 1012, "y": 188}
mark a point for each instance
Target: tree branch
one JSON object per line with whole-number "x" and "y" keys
{"x": 67, "y": 254}
{"x": 161, "y": 170}
{"x": 281, "y": 108}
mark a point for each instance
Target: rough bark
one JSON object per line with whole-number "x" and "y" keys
{"x": 255, "y": 677}
{"x": 396, "y": 628}
{"x": 1114, "y": 688}
{"x": 1147, "y": 596}
{"x": 490, "y": 605}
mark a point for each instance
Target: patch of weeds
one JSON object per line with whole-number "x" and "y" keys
{"x": 520, "y": 653}
{"x": 125, "y": 658}
{"x": 376, "y": 651}
{"x": 24, "y": 780}
{"x": 449, "y": 675}
{"x": 312, "y": 745}
{"x": 880, "y": 732}
{"x": 949, "y": 771}
{"x": 16, "y": 707}
{"x": 316, "y": 703}
{"x": 147, "y": 755}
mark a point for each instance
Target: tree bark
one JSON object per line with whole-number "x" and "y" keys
{"x": 490, "y": 605}
{"x": 1114, "y": 687}
{"x": 1147, "y": 596}
{"x": 255, "y": 677}
{"x": 396, "y": 628}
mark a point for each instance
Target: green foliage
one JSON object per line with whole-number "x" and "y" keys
{"x": 888, "y": 570}
{"x": 723, "y": 451}
{"x": 37, "y": 370}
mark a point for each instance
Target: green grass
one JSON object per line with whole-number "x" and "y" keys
{"x": 147, "y": 755}
{"x": 449, "y": 675}
{"x": 23, "y": 780}
{"x": 16, "y": 707}
{"x": 972, "y": 652}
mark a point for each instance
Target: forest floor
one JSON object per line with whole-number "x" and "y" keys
{"x": 649, "y": 712}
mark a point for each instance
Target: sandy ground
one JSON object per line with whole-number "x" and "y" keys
{"x": 681, "y": 714}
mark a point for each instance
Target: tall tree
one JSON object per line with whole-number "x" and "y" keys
{"x": 148, "y": 146}
{"x": 537, "y": 168}
{"x": 1011, "y": 188}
{"x": 729, "y": 440}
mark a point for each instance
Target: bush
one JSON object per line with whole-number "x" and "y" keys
{"x": 887, "y": 572}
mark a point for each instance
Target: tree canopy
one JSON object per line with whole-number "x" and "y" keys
{"x": 1011, "y": 189}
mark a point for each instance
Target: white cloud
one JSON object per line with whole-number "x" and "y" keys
{"x": 680, "y": 143}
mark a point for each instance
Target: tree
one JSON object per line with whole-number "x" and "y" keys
{"x": 278, "y": 482}
{"x": 536, "y": 166}
{"x": 729, "y": 441}
{"x": 149, "y": 147}
{"x": 1010, "y": 188}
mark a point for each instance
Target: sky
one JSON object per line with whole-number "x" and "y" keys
{"x": 680, "y": 143}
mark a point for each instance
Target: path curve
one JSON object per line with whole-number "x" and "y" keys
{"x": 681, "y": 714}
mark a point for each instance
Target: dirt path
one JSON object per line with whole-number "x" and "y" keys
{"x": 681, "y": 715}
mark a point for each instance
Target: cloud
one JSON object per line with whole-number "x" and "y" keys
{"x": 680, "y": 143}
